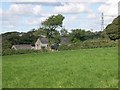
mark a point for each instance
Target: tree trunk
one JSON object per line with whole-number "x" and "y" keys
{"x": 49, "y": 44}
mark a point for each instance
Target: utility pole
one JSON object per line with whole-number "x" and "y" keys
{"x": 102, "y": 22}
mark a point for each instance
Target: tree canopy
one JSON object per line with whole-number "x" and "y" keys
{"x": 112, "y": 29}
{"x": 50, "y": 25}
{"x": 53, "y": 22}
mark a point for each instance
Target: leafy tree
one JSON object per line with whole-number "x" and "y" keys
{"x": 51, "y": 24}
{"x": 6, "y": 44}
{"x": 39, "y": 32}
{"x": 56, "y": 37}
{"x": 97, "y": 35}
{"x": 64, "y": 32}
{"x": 12, "y": 37}
{"x": 77, "y": 35}
{"x": 112, "y": 29}
{"x": 89, "y": 35}
{"x": 28, "y": 38}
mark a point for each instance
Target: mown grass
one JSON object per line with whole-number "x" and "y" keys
{"x": 89, "y": 68}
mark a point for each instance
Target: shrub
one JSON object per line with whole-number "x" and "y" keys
{"x": 90, "y": 44}
{"x": 64, "y": 47}
{"x": 13, "y": 52}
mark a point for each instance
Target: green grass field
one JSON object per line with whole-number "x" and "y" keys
{"x": 86, "y": 68}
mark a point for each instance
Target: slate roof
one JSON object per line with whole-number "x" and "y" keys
{"x": 64, "y": 40}
{"x": 44, "y": 40}
{"x": 23, "y": 46}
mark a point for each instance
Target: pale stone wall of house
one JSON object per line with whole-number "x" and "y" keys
{"x": 38, "y": 45}
{"x": 13, "y": 47}
{"x": 44, "y": 45}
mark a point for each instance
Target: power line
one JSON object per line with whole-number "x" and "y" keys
{"x": 109, "y": 15}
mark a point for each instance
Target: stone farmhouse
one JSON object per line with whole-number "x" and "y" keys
{"x": 41, "y": 43}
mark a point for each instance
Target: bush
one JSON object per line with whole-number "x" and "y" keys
{"x": 90, "y": 44}
{"x": 64, "y": 47}
{"x": 14, "y": 52}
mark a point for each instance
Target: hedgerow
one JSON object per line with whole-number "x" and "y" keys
{"x": 14, "y": 52}
{"x": 89, "y": 44}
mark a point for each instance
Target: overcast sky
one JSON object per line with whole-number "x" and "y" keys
{"x": 18, "y": 15}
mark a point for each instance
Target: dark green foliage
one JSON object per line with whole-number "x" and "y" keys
{"x": 6, "y": 44}
{"x": 28, "y": 38}
{"x": 89, "y": 44}
{"x": 50, "y": 25}
{"x": 40, "y": 32}
{"x": 14, "y": 52}
{"x": 53, "y": 21}
{"x": 12, "y": 37}
{"x": 112, "y": 29}
{"x": 78, "y": 35}
{"x": 99, "y": 43}
{"x": 64, "y": 32}
{"x": 55, "y": 37}
{"x": 64, "y": 47}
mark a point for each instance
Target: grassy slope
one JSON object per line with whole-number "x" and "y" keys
{"x": 80, "y": 68}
